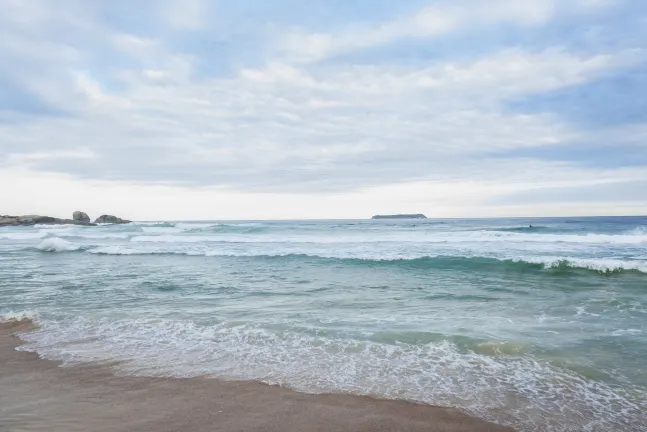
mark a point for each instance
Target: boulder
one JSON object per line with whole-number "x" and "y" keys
{"x": 110, "y": 219}
{"x": 80, "y": 216}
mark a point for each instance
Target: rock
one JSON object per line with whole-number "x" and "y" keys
{"x": 110, "y": 219}
{"x": 29, "y": 220}
{"x": 80, "y": 216}
{"x": 8, "y": 221}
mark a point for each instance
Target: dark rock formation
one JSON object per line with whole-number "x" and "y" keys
{"x": 28, "y": 220}
{"x": 400, "y": 216}
{"x": 80, "y": 216}
{"x": 110, "y": 219}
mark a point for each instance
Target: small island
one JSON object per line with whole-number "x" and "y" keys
{"x": 401, "y": 216}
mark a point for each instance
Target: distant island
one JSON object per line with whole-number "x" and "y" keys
{"x": 401, "y": 216}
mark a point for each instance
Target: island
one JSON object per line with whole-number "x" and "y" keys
{"x": 400, "y": 216}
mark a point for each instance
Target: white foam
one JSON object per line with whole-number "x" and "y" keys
{"x": 245, "y": 238}
{"x": 161, "y": 230}
{"x": 597, "y": 264}
{"x": 497, "y": 236}
{"x": 167, "y": 235}
{"x": 638, "y": 231}
{"x": 194, "y": 225}
{"x": 18, "y": 316}
{"x": 98, "y": 236}
{"x": 21, "y": 235}
{"x": 172, "y": 239}
{"x": 117, "y": 250}
{"x": 436, "y": 373}
{"x": 58, "y": 229}
{"x": 55, "y": 227}
{"x": 56, "y": 244}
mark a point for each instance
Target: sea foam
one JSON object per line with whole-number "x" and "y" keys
{"x": 18, "y": 316}
{"x": 21, "y": 235}
{"x": 420, "y": 260}
{"x": 55, "y": 244}
{"x": 441, "y": 372}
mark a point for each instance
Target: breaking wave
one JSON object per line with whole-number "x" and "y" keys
{"x": 480, "y": 376}
{"x": 519, "y": 264}
{"x": 55, "y": 244}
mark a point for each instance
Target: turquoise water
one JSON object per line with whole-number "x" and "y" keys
{"x": 539, "y": 328}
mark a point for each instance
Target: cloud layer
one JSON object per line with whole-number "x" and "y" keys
{"x": 501, "y": 102}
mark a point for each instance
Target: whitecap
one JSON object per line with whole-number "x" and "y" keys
{"x": 55, "y": 244}
{"x": 18, "y": 316}
{"x": 22, "y": 235}
{"x": 116, "y": 250}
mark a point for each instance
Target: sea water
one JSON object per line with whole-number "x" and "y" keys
{"x": 539, "y": 324}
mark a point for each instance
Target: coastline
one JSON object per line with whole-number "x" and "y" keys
{"x": 39, "y": 395}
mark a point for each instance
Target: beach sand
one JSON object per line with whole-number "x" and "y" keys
{"x": 38, "y": 395}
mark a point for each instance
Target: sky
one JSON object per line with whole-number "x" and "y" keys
{"x": 288, "y": 109}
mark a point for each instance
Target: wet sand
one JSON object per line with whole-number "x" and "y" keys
{"x": 38, "y": 395}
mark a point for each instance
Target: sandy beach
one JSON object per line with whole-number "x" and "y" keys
{"x": 38, "y": 395}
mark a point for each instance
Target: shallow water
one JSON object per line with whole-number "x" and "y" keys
{"x": 540, "y": 328}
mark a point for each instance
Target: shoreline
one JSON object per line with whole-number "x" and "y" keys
{"x": 39, "y": 395}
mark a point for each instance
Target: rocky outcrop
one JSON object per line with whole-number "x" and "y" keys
{"x": 38, "y": 220}
{"x": 110, "y": 219}
{"x": 80, "y": 216}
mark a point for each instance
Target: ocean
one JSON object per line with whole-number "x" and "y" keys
{"x": 538, "y": 324}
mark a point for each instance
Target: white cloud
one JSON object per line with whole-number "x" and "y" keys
{"x": 186, "y": 14}
{"x": 287, "y": 128}
{"x": 299, "y": 139}
{"x": 23, "y": 159}
{"x": 278, "y": 73}
{"x": 438, "y": 19}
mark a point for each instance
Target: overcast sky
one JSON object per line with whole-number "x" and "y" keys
{"x": 254, "y": 109}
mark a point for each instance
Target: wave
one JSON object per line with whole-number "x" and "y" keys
{"x": 434, "y": 370}
{"x": 229, "y": 229}
{"x": 58, "y": 227}
{"x": 638, "y": 231}
{"x": 22, "y": 235}
{"x": 122, "y": 250}
{"x": 538, "y": 237}
{"x": 10, "y": 316}
{"x": 519, "y": 264}
{"x": 523, "y": 229}
{"x": 460, "y": 237}
{"x": 475, "y": 263}
{"x": 193, "y": 238}
{"x": 155, "y": 224}
{"x": 263, "y": 233}
{"x": 55, "y": 244}
{"x": 99, "y": 236}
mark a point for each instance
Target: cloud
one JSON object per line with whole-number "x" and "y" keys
{"x": 187, "y": 14}
{"x": 285, "y": 128}
{"x": 434, "y": 21}
{"x": 146, "y": 110}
